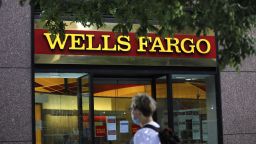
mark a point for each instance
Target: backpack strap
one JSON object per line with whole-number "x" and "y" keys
{"x": 151, "y": 127}
{"x": 166, "y": 135}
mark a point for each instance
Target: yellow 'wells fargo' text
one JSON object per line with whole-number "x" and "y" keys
{"x": 86, "y": 42}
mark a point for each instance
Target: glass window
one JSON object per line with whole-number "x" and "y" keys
{"x": 62, "y": 107}
{"x": 57, "y": 118}
{"x": 194, "y": 108}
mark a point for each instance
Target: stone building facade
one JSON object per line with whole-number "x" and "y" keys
{"x": 238, "y": 89}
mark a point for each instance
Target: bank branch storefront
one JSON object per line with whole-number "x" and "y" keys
{"x": 84, "y": 83}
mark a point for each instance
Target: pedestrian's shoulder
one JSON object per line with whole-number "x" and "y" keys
{"x": 145, "y": 132}
{"x": 146, "y": 136}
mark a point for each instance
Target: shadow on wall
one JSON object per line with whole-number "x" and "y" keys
{"x": 21, "y": 2}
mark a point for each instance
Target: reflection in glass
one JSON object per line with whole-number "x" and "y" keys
{"x": 161, "y": 99}
{"x": 62, "y": 108}
{"x": 194, "y": 105}
{"x": 56, "y": 108}
{"x": 86, "y": 116}
{"x": 112, "y": 100}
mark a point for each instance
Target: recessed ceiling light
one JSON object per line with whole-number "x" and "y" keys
{"x": 180, "y": 77}
{"x": 55, "y": 75}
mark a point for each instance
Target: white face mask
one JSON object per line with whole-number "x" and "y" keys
{"x": 135, "y": 120}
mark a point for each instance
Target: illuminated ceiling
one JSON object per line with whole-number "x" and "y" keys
{"x": 187, "y": 90}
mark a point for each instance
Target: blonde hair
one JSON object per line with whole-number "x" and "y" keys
{"x": 144, "y": 103}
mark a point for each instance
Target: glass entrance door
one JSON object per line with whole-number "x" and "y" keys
{"x": 112, "y": 98}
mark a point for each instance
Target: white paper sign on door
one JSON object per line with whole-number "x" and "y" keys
{"x": 124, "y": 126}
{"x": 111, "y": 128}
